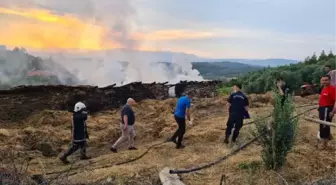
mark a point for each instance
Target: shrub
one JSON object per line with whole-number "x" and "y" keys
{"x": 280, "y": 134}
{"x": 224, "y": 90}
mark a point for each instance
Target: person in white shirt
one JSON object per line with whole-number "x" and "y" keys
{"x": 331, "y": 73}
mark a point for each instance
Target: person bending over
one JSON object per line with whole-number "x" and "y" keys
{"x": 182, "y": 110}
{"x": 238, "y": 110}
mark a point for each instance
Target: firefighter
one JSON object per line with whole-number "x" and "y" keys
{"x": 79, "y": 133}
{"x": 238, "y": 111}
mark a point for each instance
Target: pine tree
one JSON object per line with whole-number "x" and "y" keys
{"x": 323, "y": 56}
{"x": 331, "y": 55}
{"x": 306, "y": 60}
{"x": 313, "y": 59}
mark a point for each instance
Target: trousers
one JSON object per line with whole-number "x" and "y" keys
{"x": 179, "y": 134}
{"x": 126, "y": 135}
{"x": 324, "y": 115}
{"x": 74, "y": 147}
{"x": 235, "y": 122}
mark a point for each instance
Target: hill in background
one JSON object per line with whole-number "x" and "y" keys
{"x": 295, "y": 75}
{"x": 223, "y": 70}
{"x": 16, "y": 66}
{"x": 272, "y": 62}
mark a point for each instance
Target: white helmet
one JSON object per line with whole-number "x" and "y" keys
{"x": 79, "y": 106}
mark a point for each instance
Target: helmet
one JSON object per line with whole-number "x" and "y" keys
{"x": 79, "y": 106}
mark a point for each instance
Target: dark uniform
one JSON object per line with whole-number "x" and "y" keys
{"x": 237, "y": 113}
{"x": 286, "y": 91}
{"x": 79, "y": 136}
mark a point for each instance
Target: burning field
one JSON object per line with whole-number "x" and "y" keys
{"x": 30, "y": 147}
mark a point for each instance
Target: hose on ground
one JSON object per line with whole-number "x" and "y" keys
{"x": 231, "y": 153}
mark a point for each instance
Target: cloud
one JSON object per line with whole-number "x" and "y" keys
{"x": 93, "y": 25}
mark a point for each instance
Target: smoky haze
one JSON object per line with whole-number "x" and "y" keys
{"x": 103, "y": 67}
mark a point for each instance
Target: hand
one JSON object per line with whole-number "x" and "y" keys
{"x": 331, "y": 114}
{"x": 191, "y": 123}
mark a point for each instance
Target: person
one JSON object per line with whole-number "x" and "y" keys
{"x": 327, "y": 108}
{"x": 79, "y": 133}
{"x": 181, "y": 111}
{"x": 283, "y": 89}
{"x": 126, "y": 126}
{"x": 331, "y": 73}
{"x": 238, "y": 110}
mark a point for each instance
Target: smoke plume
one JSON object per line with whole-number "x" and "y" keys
{"x": 105, "y": 66}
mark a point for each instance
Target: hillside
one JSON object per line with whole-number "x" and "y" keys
{"x": 310, "y": 70}
{"x": 17, "y": 65}
{"x": 271, "y": 62}
{"x": 223, "y": 70}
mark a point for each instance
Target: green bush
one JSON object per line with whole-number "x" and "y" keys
{"x": 279, "y": 139}
{"x": 224, "y": 90}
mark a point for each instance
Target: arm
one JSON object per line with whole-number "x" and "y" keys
{"x": 333, "y": 96}
{"x": 86, "y": 132}
{"x": 125, "y": 121}
{"x": 246, "y": 103}
{"x": 188, "y": 110}
{"x": 229, "y": 101}
{"x": 188, "y": 114}
{"x": 281, "y": 91}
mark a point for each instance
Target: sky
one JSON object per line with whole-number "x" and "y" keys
{"x": 291, "y": 29}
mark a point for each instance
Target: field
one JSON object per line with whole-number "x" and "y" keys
{"x": 41, "y": 137}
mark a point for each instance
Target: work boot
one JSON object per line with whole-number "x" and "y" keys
{"x": 64, "y": 160}
{"x": 180, "y": 146}
{"x": 226, "y": 140}
{"x": 132, "y": 148}
{"x": 85, "y": 157}
{"x": 114, "y": 150}
{"x": 171, "y": 140}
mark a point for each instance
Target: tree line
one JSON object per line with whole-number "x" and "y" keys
{"x": 308, "y": 71}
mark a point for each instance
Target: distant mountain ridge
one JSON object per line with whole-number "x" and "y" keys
{"x": 272, "y": 62}
{"x": 167, "y": 56}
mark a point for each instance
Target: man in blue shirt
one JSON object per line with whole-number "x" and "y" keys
{"x": 238, "y": 110}
{"x": 182, "y": 110}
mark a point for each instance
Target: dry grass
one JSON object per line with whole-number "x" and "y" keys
{"x": 46, "y": 134}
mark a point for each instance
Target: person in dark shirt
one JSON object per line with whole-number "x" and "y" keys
{"x": 283, "y": 89}
{"x": 238, "y": 110}
{"x": 182, "y": 110}
{"x": 79, "y": 133}
{"x": 126, "y": 126}
{"x": 327, "y": 108}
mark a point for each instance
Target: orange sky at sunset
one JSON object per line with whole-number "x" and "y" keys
{"x": 44, "y": 30}
{"x": 41, "y": 29}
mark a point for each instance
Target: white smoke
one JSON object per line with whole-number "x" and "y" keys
{"x": 122, "y": 67}
{"x": 104, "y": 68}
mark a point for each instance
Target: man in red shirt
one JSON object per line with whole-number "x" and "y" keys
{"x": 327, "y": 108}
